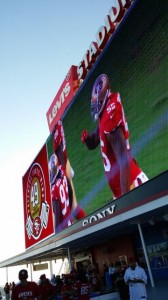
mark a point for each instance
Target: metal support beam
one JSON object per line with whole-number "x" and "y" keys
{"x": 146, "y": 255}
{"x": 7, "y": 274}
{"x": 51, "y": 268}
{"x": 69, "y": 260}
{"x": 31, "y": 272}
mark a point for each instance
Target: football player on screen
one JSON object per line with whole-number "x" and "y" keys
{"x": 121, "y": 169}
{"x": 61, "y": 195}
{"x": 59, "y": 145}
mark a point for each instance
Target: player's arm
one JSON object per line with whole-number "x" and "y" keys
{"x": 91, "y": 140}
{"x": 118, "y": 145}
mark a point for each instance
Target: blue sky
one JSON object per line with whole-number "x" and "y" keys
{"x": 40, "y": 40}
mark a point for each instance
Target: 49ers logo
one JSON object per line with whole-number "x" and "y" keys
{"x": 36, "y": 204}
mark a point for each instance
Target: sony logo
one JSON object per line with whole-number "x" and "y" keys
{"x": 100, "y": 215}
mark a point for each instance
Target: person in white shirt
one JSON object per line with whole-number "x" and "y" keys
{"x": 111, "y": 269}
{"x": 136, "y": 278}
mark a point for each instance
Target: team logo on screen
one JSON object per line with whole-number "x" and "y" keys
{"x": 36, "y": 205}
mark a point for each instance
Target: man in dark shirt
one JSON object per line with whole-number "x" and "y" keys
{"x": 119, "y": 283}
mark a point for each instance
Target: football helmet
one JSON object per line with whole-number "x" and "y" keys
{"x": 53, "y": 162}
{"x": 99, "y": 97}
{"x": 53, "y": 167}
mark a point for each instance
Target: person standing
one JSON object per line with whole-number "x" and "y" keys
{"x": 67, "y": 288}
{"x": 95, "y": 281}
{"x": 7, "y": 291}
{"x": 46, "y": 288}
{"x": 119, "y": 282}
{"x": 25, "y": 289}
{"x": 53, "y": 280}
{"x": 82, "y": 287}
{"x": 121, "y": 169}
{"x": 111, "y": 271}
{"x": 136, "y": 278}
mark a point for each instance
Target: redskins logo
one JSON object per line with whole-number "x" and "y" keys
{"x": 36, "y": 205}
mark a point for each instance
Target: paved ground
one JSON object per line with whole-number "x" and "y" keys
{"x": 159, "y": 292}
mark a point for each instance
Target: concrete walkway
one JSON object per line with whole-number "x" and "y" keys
{"x": 159, "y": 292}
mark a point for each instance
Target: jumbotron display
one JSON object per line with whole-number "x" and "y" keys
{"x": 136, "y": 63}
{"x": 114, "y": 134}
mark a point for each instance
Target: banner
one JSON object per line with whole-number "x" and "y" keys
{"x": 63, "y": 98}
{"x": 38, "y": 219}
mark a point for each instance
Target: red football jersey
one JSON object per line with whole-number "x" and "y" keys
{"x": 66, "y": 292}
{"x": 60, "y": 194}
{"x": 82, "y": 290}
{"x": 28, "y": 291}
{"x": 46, "y": 290}
{"x": 59, "y": 139}
{"x": 112, "y": 117}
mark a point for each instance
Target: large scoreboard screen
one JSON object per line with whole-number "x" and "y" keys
{"x": 136, "y": 62}
{"x": 135, "y": 59}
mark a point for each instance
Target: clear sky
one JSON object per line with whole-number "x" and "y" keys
{"x": 39, "y": 41}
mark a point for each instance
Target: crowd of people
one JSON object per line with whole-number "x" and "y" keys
{"x": 74, "y": 285}
{"x": 8, "y": 289}
{"x": 130, "y": 282}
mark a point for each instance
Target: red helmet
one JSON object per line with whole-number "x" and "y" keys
{"x": 100, "y": 92}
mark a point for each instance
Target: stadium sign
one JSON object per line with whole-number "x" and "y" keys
{"x": 62, "y": 98}
{"x": 76, "y": 74}
{"x": 112, "y": 20}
